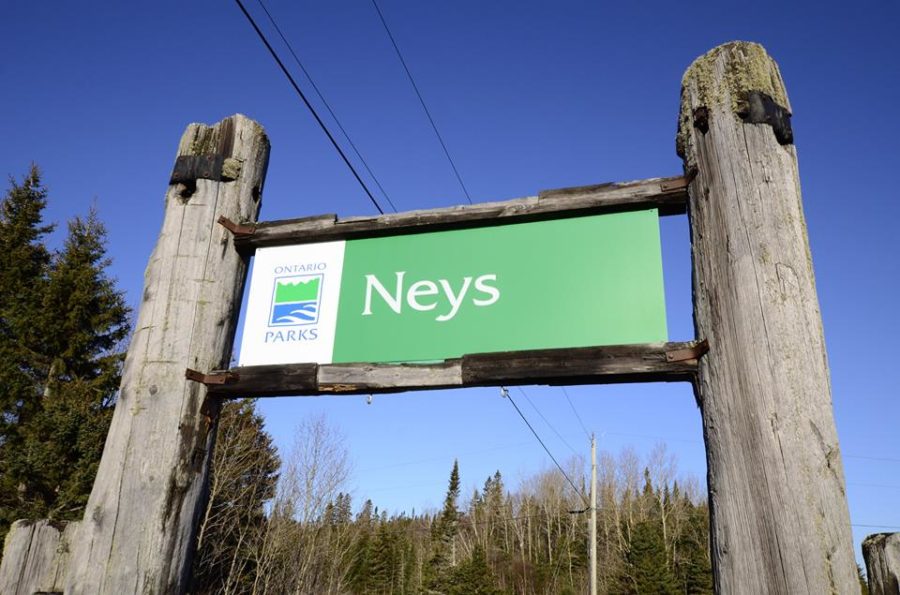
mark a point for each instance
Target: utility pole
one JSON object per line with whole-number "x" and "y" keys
{"x": 593, "y": 531}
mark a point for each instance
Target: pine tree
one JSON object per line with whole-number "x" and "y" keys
{"x": 694, "y": 574}
{"x": 443, "y": 535}
{"x": 83, "y": 321}
{"x": 62, "y": 322}
{"x": 383, "y": 560}
{"x": 647, "y": 569}
{"x": 359, "y": 572}
{"x": 24, "y": 262}
{"x": 85, "y": 316}
{"x": 474, "y": 577}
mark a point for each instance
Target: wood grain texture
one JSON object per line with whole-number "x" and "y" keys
{"x": 881, "y": 552}
{"x": 139, "y": 526}
{"x": 372, "y": 378}
{"x": 668, "y": 194}
{"x": 583, "y": 365}
{"x": 779, "y": 515}
{"x": 36, "y": 556}
{"x": 269, "y": 381}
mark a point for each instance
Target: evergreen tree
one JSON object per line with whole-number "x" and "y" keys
{"x": 62, "y": 322}
{"x": 443, "y": 535}
{"x": 359, "y": 572}
{"x": 24, "y": 264}
{"x": 647, "y": 570}
{"x": 82, "y": 321}
{"x": 694, "y": 572}
{"x": 474, "y": 577}
{"x": 24, "y": 261}
{"x": 383, "y": 560}
{"x": 85, "y": 318}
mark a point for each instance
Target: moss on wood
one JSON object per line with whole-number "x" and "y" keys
{"x": 722, "y": 77}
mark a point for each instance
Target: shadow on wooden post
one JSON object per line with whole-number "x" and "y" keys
{"x": 138, "y": 532}
{"x": 778, "y": 510}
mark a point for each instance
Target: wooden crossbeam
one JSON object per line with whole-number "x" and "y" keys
{"x": 653, "y": 362}
{"x": 669, "y": 195}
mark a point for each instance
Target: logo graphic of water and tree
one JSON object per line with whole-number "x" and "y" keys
{"x": 295, "y": 300}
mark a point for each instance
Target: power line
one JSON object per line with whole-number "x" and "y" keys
{"x": 578, "y": 417}
{"x": 875, "y": 526}
{"x": 499, "y": 520}
{"x": 325, "y": 103}
{"x": 873, "y": 485}
{"x": 422, "y": 101}
{"x": 546, "y": 421}
{"x": 506, "y": 394}
{"x": 445, "y": 458}
{"x": 309, "y": 106}
{"x": 884, "y": 459}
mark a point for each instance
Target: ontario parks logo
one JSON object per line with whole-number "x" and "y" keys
{"x": 295, "y": 300}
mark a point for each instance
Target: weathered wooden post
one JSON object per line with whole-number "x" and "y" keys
{"x": 138, "y": 531}
{"x": 881, "y": 552}
{"x": 779, "y": 516}
{"x": 36, "y": 557}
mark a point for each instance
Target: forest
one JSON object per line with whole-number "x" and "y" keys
{"x": 283, "y": 525}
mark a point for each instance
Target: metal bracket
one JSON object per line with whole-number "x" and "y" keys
{"x": 239, "y": 230}
{"x": 689, "y": 353}
{"x": 225, "y": 377}
{"x": 760, "y": 108}
{"x": 189, "y": 168}
{"x": 676, "y": 184}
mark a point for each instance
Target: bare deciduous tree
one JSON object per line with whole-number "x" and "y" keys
{"x": 302, "y": 551}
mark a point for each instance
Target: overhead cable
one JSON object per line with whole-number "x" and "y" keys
{"x": 575, "y": 411}
{"x": 325, "y": 103}
{"x": 546, "y": 421}
{"x": 505, "y": 393}
{"x": 309, "y": 106}
{"x": 422, "y": 101}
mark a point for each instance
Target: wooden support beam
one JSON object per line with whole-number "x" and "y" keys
{"x": 667, "y": 194}
{"x": 141, "y": 519}
{"x": 584, "y": 365}
{"x": 778, "y": 508}
{"x": 655, "y": 362}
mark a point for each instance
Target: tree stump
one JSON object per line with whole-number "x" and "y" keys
{"x": 36, "y": 557}
{"x": 881, "y": 552}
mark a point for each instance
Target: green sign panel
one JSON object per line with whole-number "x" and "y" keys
{"x": 431, "y": 296}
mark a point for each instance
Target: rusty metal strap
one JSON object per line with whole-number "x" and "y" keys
{"x": 696, "y": 351}
{"x": 239, "y": 230}
{"x": 676, "y": 184}
{"x": 212, "y": 378}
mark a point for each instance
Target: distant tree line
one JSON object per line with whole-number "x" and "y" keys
{"x": 301, "y": 534}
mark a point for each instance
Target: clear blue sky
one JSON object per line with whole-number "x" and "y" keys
{"x": 529, "y": 96}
